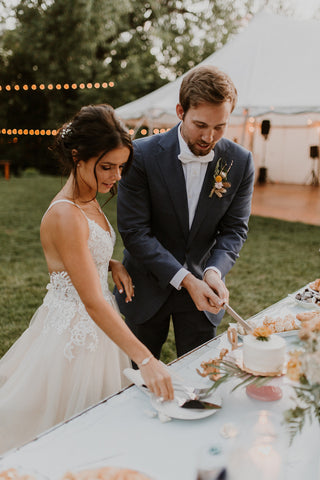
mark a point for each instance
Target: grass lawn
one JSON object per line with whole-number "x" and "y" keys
{"x": 278, "y": 258}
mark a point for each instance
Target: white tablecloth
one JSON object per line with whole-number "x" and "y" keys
{"x": 120, "y": 431}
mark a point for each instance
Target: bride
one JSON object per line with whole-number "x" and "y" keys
{"x": 77, "y": 345}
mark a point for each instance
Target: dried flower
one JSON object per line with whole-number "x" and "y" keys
{"x": 262, "y": 333}
{"x": 294, "y": 366}
{"x": 220, "y": 183}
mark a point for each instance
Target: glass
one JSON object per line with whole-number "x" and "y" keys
{"x": 260, "y": 448}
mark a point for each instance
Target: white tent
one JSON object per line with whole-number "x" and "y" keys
{"x": 275, "y": 65}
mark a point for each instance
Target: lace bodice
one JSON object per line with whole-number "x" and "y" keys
{"x": 66, "y": 312}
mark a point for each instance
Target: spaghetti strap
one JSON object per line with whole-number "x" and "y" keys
{"x": 63, "y": 200}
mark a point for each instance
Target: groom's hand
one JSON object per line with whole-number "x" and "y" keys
{"x": 212, "y": 278}
{"x": 121, "y": 279}
{"x": 203, "y": 296}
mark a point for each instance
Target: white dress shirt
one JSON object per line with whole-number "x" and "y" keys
{"x": 194, "y": 169}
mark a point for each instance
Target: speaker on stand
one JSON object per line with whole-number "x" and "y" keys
{"x": 263, "y": 172}
{"x": 314, "y": 155}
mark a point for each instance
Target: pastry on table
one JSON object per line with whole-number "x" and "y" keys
{"x": 106, "y": 473}
{"x": 306, "y": 316}
{"x": 13, "y": 474}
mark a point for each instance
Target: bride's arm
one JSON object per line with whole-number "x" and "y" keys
{"x": 69, "y": 232}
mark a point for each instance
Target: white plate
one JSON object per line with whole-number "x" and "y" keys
{"x": 172, "y": 409}
{"x": 303, "y": 303}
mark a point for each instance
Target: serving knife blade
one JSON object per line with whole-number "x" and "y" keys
{"x": 237, "y": 317}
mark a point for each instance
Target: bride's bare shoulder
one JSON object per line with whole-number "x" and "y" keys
{"x": 63, "y": 217}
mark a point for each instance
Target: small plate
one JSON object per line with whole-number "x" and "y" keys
{"x": 172, "y": 409}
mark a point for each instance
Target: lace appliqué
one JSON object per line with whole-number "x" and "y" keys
{"x": 66, "y": 312}
{"x": 101, "y": 249}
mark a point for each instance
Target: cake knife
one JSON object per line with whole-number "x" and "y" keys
{"x": 237, "y": 317}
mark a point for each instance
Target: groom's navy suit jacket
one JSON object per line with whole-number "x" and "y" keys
{"x": 154, "y": 223}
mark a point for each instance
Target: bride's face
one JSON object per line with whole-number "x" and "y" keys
{"x": 108, "y": 171}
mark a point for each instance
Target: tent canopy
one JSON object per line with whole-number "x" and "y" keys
{"x": 274, "y": 63}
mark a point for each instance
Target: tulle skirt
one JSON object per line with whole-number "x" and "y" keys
{"x": 40, "y": 386}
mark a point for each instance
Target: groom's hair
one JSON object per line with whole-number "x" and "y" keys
{"x": 207, "y": 84}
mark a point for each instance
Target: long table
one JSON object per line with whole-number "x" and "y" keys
{"x": 123, "y": 431}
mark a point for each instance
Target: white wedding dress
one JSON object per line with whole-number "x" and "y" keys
{"x": 63, "y": 362}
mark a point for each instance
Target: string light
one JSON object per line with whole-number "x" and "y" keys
{"x": 48, "y": 132}
{"x": 58, "y": 86}
{"x": 25, "y": 131}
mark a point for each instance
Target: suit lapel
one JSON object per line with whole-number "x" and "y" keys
{"x": 206, "y": 203}
{"x": 173, "y": 177}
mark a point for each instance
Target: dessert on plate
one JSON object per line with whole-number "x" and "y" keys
{"x": 308, "y": 296}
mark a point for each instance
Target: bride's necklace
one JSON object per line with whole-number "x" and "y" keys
{"x": 94, "y": 208}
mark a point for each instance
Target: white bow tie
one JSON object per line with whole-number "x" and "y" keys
{"x": 186, "y": 157}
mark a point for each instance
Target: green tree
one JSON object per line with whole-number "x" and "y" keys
{"x": 138, "y": 45}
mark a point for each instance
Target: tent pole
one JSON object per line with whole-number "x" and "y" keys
{"x": 138, "y": 126}
{"x": 243, "y": 136}
{"x": 150, "y": 125}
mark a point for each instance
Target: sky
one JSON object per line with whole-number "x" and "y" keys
{"x": 305, "y": 8}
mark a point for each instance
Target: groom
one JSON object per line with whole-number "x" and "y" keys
{"x": 183, "y": 211}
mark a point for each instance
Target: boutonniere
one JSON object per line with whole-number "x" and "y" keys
{"x": 220, "y": 179}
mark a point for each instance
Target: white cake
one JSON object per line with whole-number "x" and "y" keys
{"x": 264, "y": 357}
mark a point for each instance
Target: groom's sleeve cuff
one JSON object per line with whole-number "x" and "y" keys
{"x": 178, "y": 277}
{"x": 215, "y": 269}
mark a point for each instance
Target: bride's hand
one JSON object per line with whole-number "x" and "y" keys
{"x": 122, "y": 279}
{"x": 158, "y": 379}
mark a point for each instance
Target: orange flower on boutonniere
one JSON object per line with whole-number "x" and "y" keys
{"x": 220, "y": 180}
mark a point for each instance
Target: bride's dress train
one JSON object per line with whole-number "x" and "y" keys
{"x": 63, "y": 362}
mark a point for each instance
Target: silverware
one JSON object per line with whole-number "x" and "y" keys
{"x": 193, "y": 393}
{"x": 237, "y": 317}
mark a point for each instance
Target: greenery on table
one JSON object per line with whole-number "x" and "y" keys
{"x": 303, "y": 368}
{"x": 226, "y": 370}
{"x": 308, "y": 399}
{"x": 278, "y": 258}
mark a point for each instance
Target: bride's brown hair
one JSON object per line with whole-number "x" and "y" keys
{"x": 94, "y": 131}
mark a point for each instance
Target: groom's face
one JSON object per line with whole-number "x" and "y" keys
{"x": 204, "y": 125}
